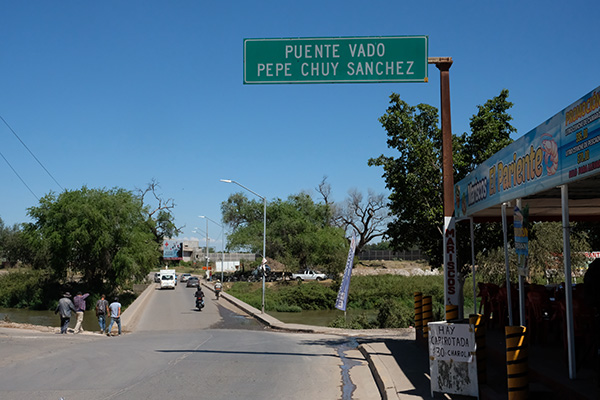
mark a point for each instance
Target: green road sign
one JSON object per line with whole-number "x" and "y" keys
{"x": 336, "y": 60}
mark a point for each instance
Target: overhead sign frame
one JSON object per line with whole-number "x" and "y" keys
{"x": 367, "y": 59}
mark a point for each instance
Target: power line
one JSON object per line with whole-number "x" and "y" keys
{"x": 30, "y": 152}
{"x": 16, "y": 173}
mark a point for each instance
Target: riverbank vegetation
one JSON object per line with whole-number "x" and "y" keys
{"x": 90, "y": 240}
{"x": 392, "y": 296}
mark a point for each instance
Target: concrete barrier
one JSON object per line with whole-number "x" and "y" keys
{"x": 131, "y": 316}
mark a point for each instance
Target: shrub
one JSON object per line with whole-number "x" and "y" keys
{"x": 395, "y": 314}
{"x": 361, "y": 321}
{"x": 24, "y": 289}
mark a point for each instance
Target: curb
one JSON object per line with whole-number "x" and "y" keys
{"x": 380, "y": 372}
{"x": 131, "y": 316}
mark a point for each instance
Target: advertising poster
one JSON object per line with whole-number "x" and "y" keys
{"x": 452, "y": 361}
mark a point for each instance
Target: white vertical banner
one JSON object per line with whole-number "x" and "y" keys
{"x": 342, "y": 297}
{"x": 451, "y": 286}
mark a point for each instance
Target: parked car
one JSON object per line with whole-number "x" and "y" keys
{"x": 193, "y": 281}
{"x": 309, "y": 275}
{"x": 185, "y": 277}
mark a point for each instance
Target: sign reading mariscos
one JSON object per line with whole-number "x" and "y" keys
{"x": 336, "y": 60}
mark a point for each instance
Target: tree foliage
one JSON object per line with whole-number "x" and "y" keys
{"x": 545, "y": 258}
{"x": 298, "y": 231}
{"x": 106, "y": 236}
{"x": 13, "y": 245}
{"x": 414, "y": 176}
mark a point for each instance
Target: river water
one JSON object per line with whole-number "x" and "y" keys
{"x": 48, "y": 318}
{"x": 90, "y": 322}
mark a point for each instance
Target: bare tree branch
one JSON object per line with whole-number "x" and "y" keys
{"x": 368, "y": 218}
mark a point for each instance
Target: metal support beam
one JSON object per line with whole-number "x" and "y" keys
{"x": 564, "y": 195}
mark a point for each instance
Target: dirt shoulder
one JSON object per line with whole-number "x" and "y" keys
{"x": 36, "y": 328}
{"x": 386, "y": 267}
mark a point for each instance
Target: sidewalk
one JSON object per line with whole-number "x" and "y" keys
{"x": 400, "y": 365}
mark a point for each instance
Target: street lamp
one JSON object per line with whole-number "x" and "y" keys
{"x": 264, "y": 260}
{"x": 199, "y": 231}
{"x": 207, "y": 270}
{"x": 222, "y": 243}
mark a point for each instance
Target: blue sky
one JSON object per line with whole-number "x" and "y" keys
{"x": 115, "y": 94}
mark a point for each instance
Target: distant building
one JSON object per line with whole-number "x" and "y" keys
{"x": 192, "y": 252}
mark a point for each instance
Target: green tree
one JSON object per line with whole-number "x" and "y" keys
{"x": 13, "y": 245}
{"x": 298, "y": 231}
{"x": 104, "y": 235}
{"x": 545, "y": 258}
{"x": 415, "y": 175}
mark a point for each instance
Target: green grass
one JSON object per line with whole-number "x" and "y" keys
{"x": 391, "y": 295}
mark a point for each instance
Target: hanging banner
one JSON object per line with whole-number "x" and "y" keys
{"x": 342, "y": 297}
{"x": 521, "y": 240}
{"x": 521, "y": 234}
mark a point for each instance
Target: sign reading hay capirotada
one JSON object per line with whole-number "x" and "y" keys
{"x": 452, "y": 361}
{"x": 336, "y": 60}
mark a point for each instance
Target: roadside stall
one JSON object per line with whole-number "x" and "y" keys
{"x": 553, "y": 172}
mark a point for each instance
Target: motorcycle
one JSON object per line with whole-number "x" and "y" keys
{"x": 199, "y": 303}
{"x": 217, "y": 292}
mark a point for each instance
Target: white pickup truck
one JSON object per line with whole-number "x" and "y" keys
{"x": 309, "y": 275}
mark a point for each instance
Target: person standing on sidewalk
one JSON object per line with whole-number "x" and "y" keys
{"x": 101, "y": 312}
{"x": 64, "y": 307}
{"x": 79, "y": 302}
{"x": 115, "y": 315}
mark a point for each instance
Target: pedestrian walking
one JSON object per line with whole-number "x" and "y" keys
{"x": 115, "y": 315}
{"x": 101, "y": 313}
{"x": 64, "y": 307}
{"x": 79, "y": 302}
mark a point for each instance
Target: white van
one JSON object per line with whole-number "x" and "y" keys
{"x": 167, "y": 279}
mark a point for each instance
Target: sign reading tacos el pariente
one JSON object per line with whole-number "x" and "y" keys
{"x": 336, "y": 60}
{"x": 563, "y": 149}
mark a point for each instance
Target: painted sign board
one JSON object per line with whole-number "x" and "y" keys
{"x": 172, "y": 250}
{"x": 336, "y": 60}
{"x": 452, "y": 361}
{"x": 562, "y": 150}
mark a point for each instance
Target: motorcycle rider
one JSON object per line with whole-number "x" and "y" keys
{"x": 199, "y": 296}
{"x": 218, "y": 287}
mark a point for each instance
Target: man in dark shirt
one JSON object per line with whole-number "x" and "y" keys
{"x": 64, "y": 307}
{"x": 79, "y": 302}
{"x": 101, "y": 312}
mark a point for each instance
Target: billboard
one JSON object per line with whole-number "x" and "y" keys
{"x": 172, "y": 250}
{"x": 562, "y": 150}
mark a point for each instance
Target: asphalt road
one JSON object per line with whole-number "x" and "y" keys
{"x": 177, "y": 352}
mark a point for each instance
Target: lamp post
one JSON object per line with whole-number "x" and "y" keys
{"x": 207, "y": 270}
{"x": 222, "y": 243}
{"x": 199, "y": 231}
{"x": 264, "y": 257}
